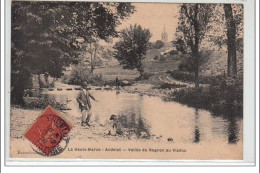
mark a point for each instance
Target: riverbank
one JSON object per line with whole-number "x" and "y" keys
{"x": 220, "y": 95}
{"x": 159, "y": 85}
{"x": 21, "y": 119}
{"x": 147, "y": 89}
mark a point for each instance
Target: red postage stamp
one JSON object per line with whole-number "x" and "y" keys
{"x": 48, "y": 131}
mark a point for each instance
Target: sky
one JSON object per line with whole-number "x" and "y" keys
{"x": 154, "y": 16}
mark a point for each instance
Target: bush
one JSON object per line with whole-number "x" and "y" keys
{"x": 82, "y": 74}
{"x": 186, "y": 64}
{"x": 187, "y": 61}
{"x": 145, "y": 76}
{"x": 180, "y": 45}
{"x": 36, "y": 102}
{"x": 65, "y": 78}
{"x": 222, "y": 97}
{"x": 158, "y": 44}
{"x": 170, "y": 86}
{"x": 156, "y": 58}
{"x": 189, "y": 77}
{"x": 182, "y": 76}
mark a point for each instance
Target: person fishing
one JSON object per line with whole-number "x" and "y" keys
{"x": 83, "y": 98}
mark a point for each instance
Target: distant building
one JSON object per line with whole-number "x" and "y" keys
{"x": 164, "y": 36}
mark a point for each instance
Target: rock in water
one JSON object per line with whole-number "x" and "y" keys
{"x": 78, "y": 88}
{"x": 170, "y": 139}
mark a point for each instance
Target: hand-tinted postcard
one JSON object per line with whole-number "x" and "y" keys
{"x": 121, "y": 80}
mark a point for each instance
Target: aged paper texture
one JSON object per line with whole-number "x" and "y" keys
{"x": 134, "y": 80}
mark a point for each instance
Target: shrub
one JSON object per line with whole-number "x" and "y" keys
{"x": 156, "y": 58}
{"x": 180, "y": 45}
{"x": 182, "y": 76}
{"x": 174, "y": 52}
{"x": 42, "y": 103}
{"x": 82, "y": 74}
{"x": 145, "y": 76}
{"x": 222, "y": 97}
{"x": 65, "y": 78}
{"x": 186, "y": 64}
{"x": 187, "y": 61}
{"x": 158, "y": 44}
{"x": 170, "y": 86}
{"x": 189, "y": 77}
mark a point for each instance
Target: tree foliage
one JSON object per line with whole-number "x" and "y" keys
{"x": 131, "y": 49}
{"x": 193, "y": 24}
{"x": 158, "y": 44}
{"x": 44, "y": 35}
{"x": 94, "y": 52}
{"x": 218, "y": 28}
{"x": 180, "y": 45}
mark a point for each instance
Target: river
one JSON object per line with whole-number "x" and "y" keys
{"x": 154, "y": 118}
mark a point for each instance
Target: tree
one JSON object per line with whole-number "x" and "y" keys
{"x": 227, "y": 29}
{"x": 131, "y": 49}
{"x": 44, "y": 35}
{"x": 180, "y": 45}
{"x": 192, "y": 26}
{"x": 94, "y": 51}
{"x": 158, "y": 44}
{"x": 231, "y": 41}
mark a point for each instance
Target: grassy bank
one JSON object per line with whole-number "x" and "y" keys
{"x": 223, "y": 97}
{"x": 107, "y": 75}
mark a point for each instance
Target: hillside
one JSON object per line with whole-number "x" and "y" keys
{"x": 216, "y": 63}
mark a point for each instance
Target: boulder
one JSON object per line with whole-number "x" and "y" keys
{"x": 125, "y": 83}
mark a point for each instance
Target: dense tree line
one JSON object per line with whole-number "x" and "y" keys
{"x": 221, "y": 24}
{"x": 45, "y": 35}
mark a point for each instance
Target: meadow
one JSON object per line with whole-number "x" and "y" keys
{"x": 151, "y": 68}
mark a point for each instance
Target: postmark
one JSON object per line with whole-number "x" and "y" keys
{"x": 48, "y": 133}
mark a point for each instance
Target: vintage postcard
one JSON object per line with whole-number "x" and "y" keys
{"x": 121, "y": 80}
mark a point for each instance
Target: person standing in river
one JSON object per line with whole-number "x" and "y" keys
{"x": 117, "y": 83}
{"x": 83, "y": 98}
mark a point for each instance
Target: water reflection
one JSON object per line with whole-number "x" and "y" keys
{"x": 232, "y": 130}
{"x": 233, "y": 126}
{"x": 196, "y": 129}
{"x": 135, "y": 124}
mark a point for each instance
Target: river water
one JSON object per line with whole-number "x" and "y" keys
{"x": 154, "y": 118}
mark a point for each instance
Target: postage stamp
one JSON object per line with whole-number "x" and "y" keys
{"x": 48, "y": 131}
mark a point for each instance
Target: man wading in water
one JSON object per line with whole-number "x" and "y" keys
{"x": 83, "y": 98}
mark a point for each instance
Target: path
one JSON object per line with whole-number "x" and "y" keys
{"x": 167, "y": 79}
